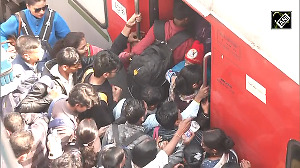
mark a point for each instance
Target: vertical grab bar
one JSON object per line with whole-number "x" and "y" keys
{"x": 205, "y": 60}
{"x": 137, "y": 11}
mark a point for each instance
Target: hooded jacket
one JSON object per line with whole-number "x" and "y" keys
{"x": 38, "y": 99}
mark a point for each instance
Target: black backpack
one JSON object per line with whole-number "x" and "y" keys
{"x": 149, "y": 68}
{"x": 45, "y": 31}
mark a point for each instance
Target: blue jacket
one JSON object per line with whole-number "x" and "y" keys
{"x": 59, "y": 29}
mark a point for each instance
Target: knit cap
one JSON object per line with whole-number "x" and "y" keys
{"x": 196, "y": 53}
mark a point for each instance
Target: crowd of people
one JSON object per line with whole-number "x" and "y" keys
{"x": 60, "y": 110}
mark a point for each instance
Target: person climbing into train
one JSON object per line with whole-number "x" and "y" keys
{"x": 185, "y": 87}
{"x": 183, "y": 15}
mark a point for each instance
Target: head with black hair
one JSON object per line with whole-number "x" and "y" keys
{"x": 72, "y": 39}
{"x": 89, "y": 141}
{"x": 193, "y": 155}
{"x": 182, "y": 13}
{"x": 112, "y": 156}
{"x": 188, "y": 80}
{"x": 106, "y": 64}
{"x": 37, "y": 7}
{"x": 134, "y": 111}
{"x": 168, "y": 115}
{"x": 68, "y": 60}
{"x": 144, "y": 152}
{"x": 216, "y": 142}
{"x": 152, "y": 96}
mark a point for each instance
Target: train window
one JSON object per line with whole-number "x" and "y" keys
{"x": 293, "y": 154}
{"x": 95, "y": 9}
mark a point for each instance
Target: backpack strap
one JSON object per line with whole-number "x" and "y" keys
{"x": 62, "y": 122}
{"x": 17, "y": 14}
{"x": 61, "y": 85}
{"x": 159, "y": 30}
{"x": 59, "y": 121}
{"x": 47, "y": 25}
{"x": 86, "y": 73}
{"x": 25, "y": 25}
{"x": 133, "y": 137}
{"x": 115, "y": 131}
{"x": 177, "y": 39}
{"x": 50, "y": 109}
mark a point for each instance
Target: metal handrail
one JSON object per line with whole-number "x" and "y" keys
{"x": 205, "y": 60}
{"x": 137, "y": 11}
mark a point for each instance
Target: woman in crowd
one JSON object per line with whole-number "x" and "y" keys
{"x": 218, "y": 149}
{"x": 184, "y": 89}
{"x": 88, "y": 140}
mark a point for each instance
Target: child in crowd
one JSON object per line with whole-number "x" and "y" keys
{"x": 25, "y": 72}
{"x": 32, "y": 21}
{"x": 30, "y": 52}
{"x": 153, "y": 97}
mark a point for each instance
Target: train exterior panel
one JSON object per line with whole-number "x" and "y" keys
{"x": 255, "y": 102}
